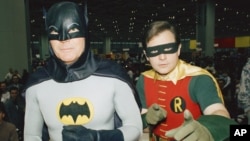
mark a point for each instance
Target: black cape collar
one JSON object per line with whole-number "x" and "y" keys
{"x": 83, "y": 68}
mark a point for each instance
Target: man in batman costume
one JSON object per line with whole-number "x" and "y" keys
{"x": 77, "y": 94}
{"x": 180, "y": 101}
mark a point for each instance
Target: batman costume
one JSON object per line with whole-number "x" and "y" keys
{"x": 79, "y": 102}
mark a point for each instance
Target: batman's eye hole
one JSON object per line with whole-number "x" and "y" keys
{"x": 73, "y": 30}
{"x": 53, "y": 32}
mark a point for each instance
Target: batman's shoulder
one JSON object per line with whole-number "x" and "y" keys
{"x": 36, "y": 77}
{"x": 110, "y": 68}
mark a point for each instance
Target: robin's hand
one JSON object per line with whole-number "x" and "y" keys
{"x": 190, "y": 130}
{"x": 155, "y": 114}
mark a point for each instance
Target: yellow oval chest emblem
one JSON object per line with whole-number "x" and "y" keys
{"x": 75, "y": 111}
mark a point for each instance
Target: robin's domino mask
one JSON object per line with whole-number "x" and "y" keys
{"x": 161, "y": 49}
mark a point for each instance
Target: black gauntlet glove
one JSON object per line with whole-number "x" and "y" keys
{"x": 80, "y": 133}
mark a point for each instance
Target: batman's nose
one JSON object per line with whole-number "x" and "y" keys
{"x": 64, "y": 36}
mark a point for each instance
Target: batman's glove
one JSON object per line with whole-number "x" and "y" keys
{"x": 190, "y": 130}
{"x": 155, "y": 114}
{"x": 80, "y": 133}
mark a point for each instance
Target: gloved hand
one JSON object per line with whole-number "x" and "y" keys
{"x": 155, "y": 114}
{"x": 78, "y": 133}
{"x": 190, "y": 130}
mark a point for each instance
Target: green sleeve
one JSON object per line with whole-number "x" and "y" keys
{"x": 218, "y": 126}
{"x": 203, "y": 91}
{"x": 140, "y": 90}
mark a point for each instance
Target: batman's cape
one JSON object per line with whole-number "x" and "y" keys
{"x": 96, "y": 66}
{"x": 106, "y": 68}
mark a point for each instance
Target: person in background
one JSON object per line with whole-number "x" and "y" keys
{"x": 79, "y": 96}
{"x": 16, "y": 82}
{"x": 15, "y": 107}
{"x": 5, "y": 94}
{"x": 7, "y": 130}
{"x": 17, "y": 74}
{"x": 180, "y": 101}
{"x": 210, "y": 66}
{"x": 243, "y": 94}
{"x": 8, "y": 76}
{"x": 25, "y": 76}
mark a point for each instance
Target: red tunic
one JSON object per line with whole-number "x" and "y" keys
{"x": 173, "y": 98}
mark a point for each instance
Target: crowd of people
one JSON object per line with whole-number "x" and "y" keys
{"x": 76, "y": 95}
{"x": 13, "y": 103}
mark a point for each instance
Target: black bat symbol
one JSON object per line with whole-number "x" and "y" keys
{"x": 74, "y": 109}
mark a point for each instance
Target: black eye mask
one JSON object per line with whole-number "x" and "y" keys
{"x": 65, "y": 21}
{"x": 161, "y": 49}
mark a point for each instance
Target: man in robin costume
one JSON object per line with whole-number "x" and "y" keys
{"x": 76, "y": 94}
{"x": 180, "y": 101}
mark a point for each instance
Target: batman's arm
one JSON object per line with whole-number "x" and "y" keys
{"x": 80, "y": 133}
{"x": 211, "y": 122}
{"x": 33, "y": 116}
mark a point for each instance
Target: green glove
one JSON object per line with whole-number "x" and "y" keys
{"x": 190, "y": 130}
{"x": 155, "y": 114}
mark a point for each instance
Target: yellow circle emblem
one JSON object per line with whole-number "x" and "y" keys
{"x": 75, "y": 111}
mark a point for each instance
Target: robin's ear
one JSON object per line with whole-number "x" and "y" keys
{"x": 179, "y": 49}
